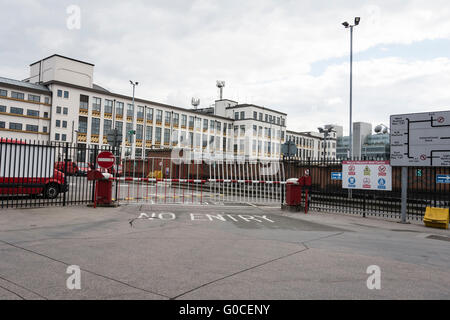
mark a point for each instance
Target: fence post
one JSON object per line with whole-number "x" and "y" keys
{"x": 404, "y": 193}
{"x": 95, "y": 166}
{"x": 364, "y": 205}
{"x": 66, "y": 151}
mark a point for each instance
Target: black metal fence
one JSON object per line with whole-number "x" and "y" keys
{"x": 328, "y": 195}
{"x": 35, "y": 174}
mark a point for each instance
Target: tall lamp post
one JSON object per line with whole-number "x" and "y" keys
{"x": 347, "y": 25}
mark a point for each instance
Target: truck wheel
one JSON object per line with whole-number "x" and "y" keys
{"x": 51, "y": 191}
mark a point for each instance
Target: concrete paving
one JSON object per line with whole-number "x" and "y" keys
{"x": 144, "y": 251}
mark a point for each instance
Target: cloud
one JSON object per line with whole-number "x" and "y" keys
{"x": 263, "y": 49}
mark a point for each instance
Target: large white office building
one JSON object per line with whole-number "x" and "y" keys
{"x": 60, "y": 102}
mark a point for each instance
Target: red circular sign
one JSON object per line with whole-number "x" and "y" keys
{"x": 441, "y": 119}
{"x": 105, "y": 159}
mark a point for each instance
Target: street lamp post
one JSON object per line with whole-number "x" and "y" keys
{"x": 326, "y": 133}
{"x": 347, "y": 25}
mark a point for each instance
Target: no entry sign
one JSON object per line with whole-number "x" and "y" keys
{"x": 105, "y": 159}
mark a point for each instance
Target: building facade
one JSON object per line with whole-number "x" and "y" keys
{"x": 60, "y": 102}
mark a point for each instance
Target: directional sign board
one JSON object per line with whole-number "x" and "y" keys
{"x": 336, "y": 176}
{"x": 367, "y": 175}
{"x": 289, "y": 149}
{"x": 420, "y": 139}
{"x": 105, "y": 159}
{"x": 443, "y": 178}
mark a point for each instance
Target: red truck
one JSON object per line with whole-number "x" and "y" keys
{"x": 27, "y": 169}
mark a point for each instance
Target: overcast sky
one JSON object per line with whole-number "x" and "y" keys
{"x": 291, "y": 56}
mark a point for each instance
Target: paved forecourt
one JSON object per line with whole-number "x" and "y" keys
{"x": 216, "y": 252}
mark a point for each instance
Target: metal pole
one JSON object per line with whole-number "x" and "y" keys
{"x": 404, "y": 193}
{"x": 351, "y": 89}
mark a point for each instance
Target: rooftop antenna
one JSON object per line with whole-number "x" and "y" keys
{"x": 220, "y": 85}
{"x": 195, "y": 102}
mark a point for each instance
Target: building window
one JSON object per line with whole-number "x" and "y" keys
{"x": 176, "y": 118}
{"x": 17, "y": 95}
{"x": 266, "y": 117}
{"x": 149, "y": 133}
{"x": 82, "y": 125}
{"x": 130, "y": 111}
{"x": 140, "y": 112}
{"x": 108, "y": 106}
{"x": 64, "y": 124}
{"x": 16, "y": 110}
{"x": 33, "y": 128}
{"x": 158, "y": 135}
{"x": 150, "y": 114}
{"x": 65, "y": 110}
{"x": 260, "y": 116}
{"x": 2, "y": 108}
{"x": 3, "y": 93}
{"x": 33, "y": 97}
{"x": 175, "y": 137}
{"x": 255, "y": 115}
{"x": 183, "y": 120}
{"x": 191, "y": 121}
{"x": 128, "y": 128}
{"x": 15, "y": 126}
{"x": 45, "y": 114}
{"x": 47, "y": 100}
{"x": 139, "y": 131}
{"x": 205, "y": 124}
{"x": 84, "y": 102}
{"x": 119, "y": 108}
{"x": 58, "y": 109}
{"x": 119, "y": 126}
{"x": 59, "y": 93}
{"x": 167, "y": 119}
{"x": 66, "y": 95}
{"x": 242, "y": 130}
{"x": 242, "y": 115}
{"x": 236, "y": 116}
{"x": 166, "y": 135}
{"x": 2, "y": 124}
{"x": 211, "y": 124}
{"x": 32, "y": 113}
{"x": 219, "y": 127}
{"x": 63, "y": 137}
{"x": 58, "y": 123}
{"x": 96, "y": 104}
{"x": 159, "y": 116}
{"x": 44, "y": 129}
{"x": 56, "y": 136}
{"x": 95, "y": 129}
{"x": 204, "y": 140}
{"x": 107, "y": 125}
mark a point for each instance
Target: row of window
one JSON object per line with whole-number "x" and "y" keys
{"x": 240, "y": 115}
{"x": 59, "y": 93}
{"x": 301, "y": 141}
{"x": 21, "y": 111}
{"x": 21, "y": 96}
{"x": 107, "y": 125}
{"x": 19, "y": 126}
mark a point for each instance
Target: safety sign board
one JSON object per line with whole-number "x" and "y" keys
{"x": 367, "y": 175}
{"x": 420, "y": 139}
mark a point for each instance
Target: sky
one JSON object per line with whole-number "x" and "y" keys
{"x": 291, "y": 56}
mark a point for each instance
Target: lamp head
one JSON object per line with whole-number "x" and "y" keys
{"x": 357, "y": 19}
{"x": 345, "y": 24}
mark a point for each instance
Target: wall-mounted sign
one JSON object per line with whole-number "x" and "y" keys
{"x": 336, "y": 176}
{"x": 367, "y": 175}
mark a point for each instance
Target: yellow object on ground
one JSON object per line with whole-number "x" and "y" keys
{"x": 155, "y": 174}
{"x": 436, "y": 217}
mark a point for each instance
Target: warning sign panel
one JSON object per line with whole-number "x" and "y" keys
{"x": 367, "y": 175}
